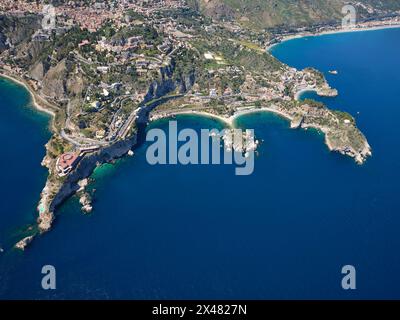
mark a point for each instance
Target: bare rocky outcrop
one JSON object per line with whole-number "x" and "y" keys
{"x": 39, "y": 70}
{"x": 86, "y": 201}
{"x": 54, "y": 81}
{"x": 21, "y": 245}
{"x": 169, "y": 82}
{"x": 3, "y": 42}
{"x": 216, "y": 9}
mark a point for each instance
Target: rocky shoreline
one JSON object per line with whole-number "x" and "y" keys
{"x": 22, "y": 244}
{"x": 287, "y": 82}
{"x": 337, "y": 133}
{"x": 56, "y": 191}
{"x": 54, "y": 194}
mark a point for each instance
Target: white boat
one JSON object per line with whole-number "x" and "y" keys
{"x": 333, "y": 72}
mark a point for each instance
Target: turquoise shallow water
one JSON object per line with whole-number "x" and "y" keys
{"x": 200, "y": 231}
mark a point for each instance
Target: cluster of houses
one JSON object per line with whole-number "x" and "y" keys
{"x": 20, "y": 6}
{"x": 129, "y": 50}
{"x": 104, "y": 93}
{"x": 121, "y": 45}
{"x": 93, "y": 15}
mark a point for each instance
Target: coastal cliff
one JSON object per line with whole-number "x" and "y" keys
{"x": 56, "y": 192}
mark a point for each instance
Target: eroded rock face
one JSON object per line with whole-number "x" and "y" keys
{"x": 18, "y": 29}
{"x": 217, "y": 9}
{"x": 54, "y": 81}
{"x": 38, "y": 71}
{"x": 3, "y": 42}
{"x": 86, "y": 201}
{"x": 55, "y": 193}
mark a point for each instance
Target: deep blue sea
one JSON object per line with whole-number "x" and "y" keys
{"x": 187, "y": 232}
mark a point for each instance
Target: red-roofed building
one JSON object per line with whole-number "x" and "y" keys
{"x": 66, "y": 163}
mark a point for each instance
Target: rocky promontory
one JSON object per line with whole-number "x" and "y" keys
{"x": 58, "y": 190}
{"x": 22, "y": 244}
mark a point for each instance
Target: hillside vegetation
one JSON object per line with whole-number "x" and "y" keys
{"x": 271, "y": 13}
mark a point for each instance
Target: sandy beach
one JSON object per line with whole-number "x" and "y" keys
{"x": 298, "y": 94}
{"x": 228, "y": 121}
{"x": 252, "y": 110}
{"x": 198, "y": 113}
{"x": 34, "y": 96}
{"x": 360, "y": 28}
